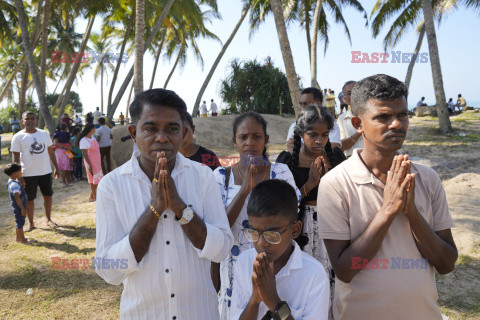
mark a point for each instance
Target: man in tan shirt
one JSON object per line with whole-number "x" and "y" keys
{"x": 384, "y": 219}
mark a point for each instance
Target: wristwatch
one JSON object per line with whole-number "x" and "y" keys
{"x": 187, "y": 215}
{"x": 282, "y": 311}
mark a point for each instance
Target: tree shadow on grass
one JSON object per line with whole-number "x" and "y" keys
{"x": 65, "y": 247}
{"x": 77, "y": 232}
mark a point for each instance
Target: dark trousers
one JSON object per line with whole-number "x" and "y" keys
{"x": 77, "y": 168}
{"x": 105, "y": 153}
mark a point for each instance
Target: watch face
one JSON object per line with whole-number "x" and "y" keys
{"x": 284, "y": 311}
{"x": 187, "y": 215}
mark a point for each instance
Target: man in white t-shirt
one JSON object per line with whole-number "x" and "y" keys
{"x": 313, "y": 96}
{"x": 33, "y": 148}
{"x": 104, "y": 138}
{"x": 203, "y": 110}
{"x": 78, "y": 121}
{"x": 213, "y": 108}
{"x": 97, "y": 114}
{"x": 421, "y": 102}
{"x": 351, "y": 139}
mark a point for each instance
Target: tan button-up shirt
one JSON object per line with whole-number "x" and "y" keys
{"x": 398, "y": 283}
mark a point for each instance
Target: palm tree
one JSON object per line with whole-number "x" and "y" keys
{"x": 147, "y": 43}
{"x": 292, "y": 76}
{"x": 139, "y": 45}
{"x": 22, "y": 20}
{"x": 408, "y": 14}
{"x": 101, "y": 46}
{"x": 441, "y": 103}
{"x": 217, "y": 60}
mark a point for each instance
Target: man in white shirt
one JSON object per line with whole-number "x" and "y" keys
{"x": 78, "y": 121}
{"x": 313, "y": 96}
{"x": 351, "y": 139}
{"x": 421, "y": 102}
{"x": 203, "y": 109}
{"x": 32, "y": 147}
{"x": 163, "y": 215}
{"x": 213, "y": 108}
{"x": 104, "y": 138}
{"x": 97, "y": 114}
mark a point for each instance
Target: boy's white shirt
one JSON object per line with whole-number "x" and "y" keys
{"x": 302, "y": 283}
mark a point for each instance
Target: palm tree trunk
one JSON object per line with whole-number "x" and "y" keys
{"x": 180, "y": 52}
{"x": 441, "y": 103}
{"x": 119, "y": 61}
{"x": 128, "y": 102}
{"x": 313, "y": 50}
{"x": 22, "y": 20}
{"x": 101, "y": 89}
{"x": 307, "y": 9}
{"x": 62, "y": 101}
{"x": 157, "y": 57}
{"x": 43, "y": 59}
{"x": 129, "y": 76}
{"x": 139, "y": 45}
{"x": 292, "y": 76}
{"x": 23, "y": 91}
{"x": 414, "y": 58}
{"x": 217, "y": 61}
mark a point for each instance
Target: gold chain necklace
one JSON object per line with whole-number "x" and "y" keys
{"x": 241, "y": 176}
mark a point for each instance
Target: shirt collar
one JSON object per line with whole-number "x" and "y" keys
{"x": 361, "y": 174}
{"x": 133, "y": 167}
{"x": 348, "y": 114}
{"x": 294, "y": 262}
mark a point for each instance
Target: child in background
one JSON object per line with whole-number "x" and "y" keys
{"x": 77, "y": 153}
{"x": 276, "y": 279}
{"x": 18, "y": 199}
{"x": 91, "y": 157}
{"x": 61, "y": 142}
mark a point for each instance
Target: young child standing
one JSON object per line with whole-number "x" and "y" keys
{"x": 18, "y": 198}
{"x": 276, "y": 279}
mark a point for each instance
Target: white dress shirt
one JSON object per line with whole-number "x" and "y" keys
{"x": 333, "y": 136}
{"x": 347, "y": 130}
{"x": 302, "y": 283}
{"x": 172, "y": 281}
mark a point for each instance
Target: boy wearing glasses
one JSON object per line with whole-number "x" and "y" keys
{"x": 277, "y": 280}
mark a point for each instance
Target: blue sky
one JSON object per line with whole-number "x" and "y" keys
{"x": 457, "y": 41}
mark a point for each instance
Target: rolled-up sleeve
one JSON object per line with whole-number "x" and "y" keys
{"x": 112, "y": 242}
{"x": 219, "y": 239}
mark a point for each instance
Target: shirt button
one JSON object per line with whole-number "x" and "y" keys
{"x": 166, "y": 270}
{"x": 172, "y": 295}
{"x": 168, "y": 242}
{"x": 165, "y": 216}
{"x": 174, "y": 317}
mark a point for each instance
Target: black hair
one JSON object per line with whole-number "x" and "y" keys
{"x": 157, "y": 97}
{"x": 189, "y": 119}
{"x": 101, "y": 120}
{"x": 459, "y": 95}
{"x": 273, "y": 197}
{"x": 348, "y": 83}
{"x": 255, "y": 116}
{"x": 307, "y": 117}
{"x": 27, "y": 113}
{"x": 450, "y": 99}
{"x": 378, "y": 87}
{"x": 316, "y": 93}
{"x": 11, "y": 168}
{"x": 88, "y": 127}
{"x": 63, "y": 126}
{"x": 76, "y": 130}
{"x": 423, "y": 98}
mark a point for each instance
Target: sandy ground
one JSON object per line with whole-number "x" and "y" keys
{"x": 84, "y": 295}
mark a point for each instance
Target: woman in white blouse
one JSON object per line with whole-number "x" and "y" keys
{"x": 236, "y": 182}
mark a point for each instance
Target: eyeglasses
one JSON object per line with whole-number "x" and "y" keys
{"x": 273, "y": 237}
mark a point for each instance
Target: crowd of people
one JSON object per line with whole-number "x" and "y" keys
{"x": 340, "y": 226}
